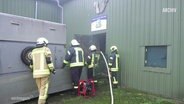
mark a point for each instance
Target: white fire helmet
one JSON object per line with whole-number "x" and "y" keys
{"x": 113, "y": 48}
{"x": 74, "y": 42}
{"x": 42, "y": 40}
{"x": 92, "y": 48}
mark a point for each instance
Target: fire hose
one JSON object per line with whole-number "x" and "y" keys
{"x": 109, "y": 76}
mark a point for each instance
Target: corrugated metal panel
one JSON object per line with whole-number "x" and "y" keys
{"x": 46, "y": 10}
{"x": 1, "y": 5}
{"x": 139, "y": 23}
{"x": 182, "y": 51}
{"x": 176, "y": 49}
{"x": 49, "y": 11}
{"x": 18, "y": 7}
{"x": 78, "y": 15}
{"x": 132, "y": 25}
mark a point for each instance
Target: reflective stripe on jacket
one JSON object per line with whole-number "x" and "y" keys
{"x": 40, "y": 66}
{"x": 114, "y": 61}
{"x": 92, "y": 59}
{"x": 74, "y": 57}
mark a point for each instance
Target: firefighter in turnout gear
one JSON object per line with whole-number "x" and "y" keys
{"x": 114, "y": 65}
{"x": 91, "y": 62}
{"x": 42, "y": 66}
{"x": 75, "y": 59}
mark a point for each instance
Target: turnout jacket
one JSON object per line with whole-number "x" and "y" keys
{"x": 41, "y": 62}
{"x": 92, "y": 59}
{"x": 114, "y": 61}
{"x": 74, "y": 56}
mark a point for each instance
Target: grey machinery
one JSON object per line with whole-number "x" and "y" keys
{"x": 16, "y": 34}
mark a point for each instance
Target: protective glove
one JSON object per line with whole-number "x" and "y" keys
{"x": 85, "y": 64}
{"x": 54, "y": 71}
{"x": 31, "y": 67}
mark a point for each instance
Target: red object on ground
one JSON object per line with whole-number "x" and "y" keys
{"x": 86, "y": 88}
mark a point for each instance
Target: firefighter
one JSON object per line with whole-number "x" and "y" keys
{"x": 91, "y": 62}
{"x": 75, "y": 59}
{"x": 114, "y": 65}
{"x": 41, "y": 65}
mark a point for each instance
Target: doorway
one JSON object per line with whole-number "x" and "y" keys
{"x": 99, "y": 40}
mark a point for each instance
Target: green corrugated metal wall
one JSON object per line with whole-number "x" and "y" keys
{"x": 46, "y": 10}
{"x": 182, "y": 51}
{"x": 77, "y": 15}
{"x": 49, "y": 11}
{"x": 132, "y": 25}
{"x": 18, "y": 7}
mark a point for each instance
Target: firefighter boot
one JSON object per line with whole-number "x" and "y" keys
{"x": 74, "y": 92}
{"x": 115, "y": 85}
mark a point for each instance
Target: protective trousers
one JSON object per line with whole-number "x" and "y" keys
{"x": 90, "y": 73}
{"x": 114, "y": 78}
{"x": 75, "y": 74}
{"x": 43, "y": 85}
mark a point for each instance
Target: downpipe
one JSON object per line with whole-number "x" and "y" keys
{"x": 36, "y": 9}
{"x": 109, "y": 76}
{"x": 61, "y": 7}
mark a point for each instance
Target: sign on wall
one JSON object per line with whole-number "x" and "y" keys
{"x": 99, "y": 23}
{"x": 169, "y": 10}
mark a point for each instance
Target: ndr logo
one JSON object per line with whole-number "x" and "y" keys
{"x": 169, "y": 10}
